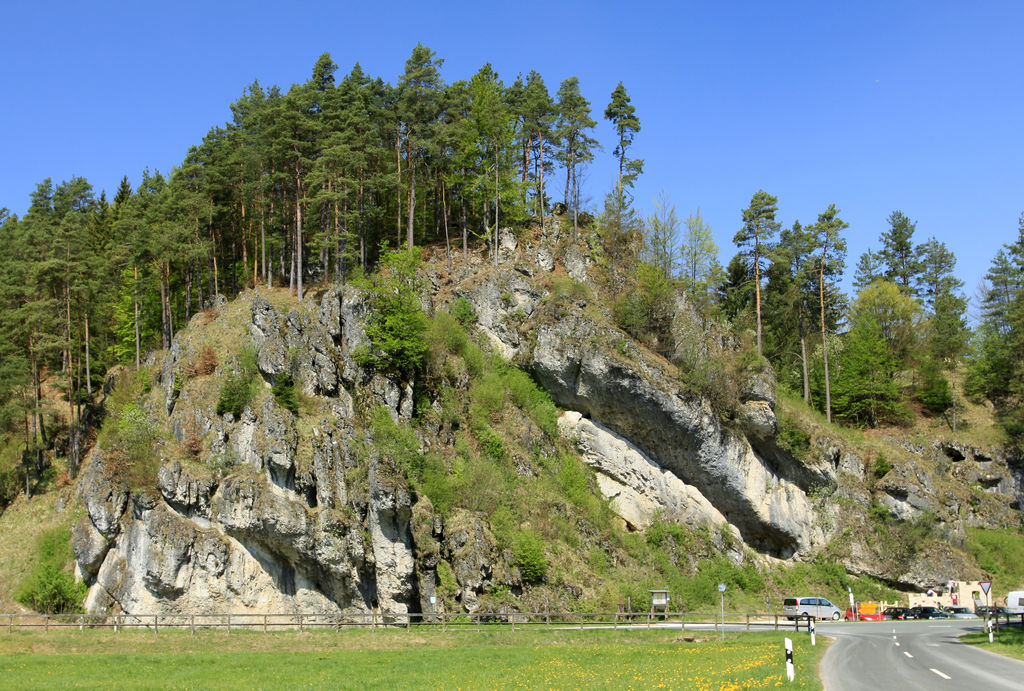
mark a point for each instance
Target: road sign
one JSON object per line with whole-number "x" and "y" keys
{"x": 721, "y": 587}
{"x": 985, "y": 586}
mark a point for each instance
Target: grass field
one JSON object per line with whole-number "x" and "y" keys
{"x": 399, "y": 659}
{"x": 1009, "y": 642}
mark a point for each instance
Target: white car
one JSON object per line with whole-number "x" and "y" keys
{"x": 813, "y": 607}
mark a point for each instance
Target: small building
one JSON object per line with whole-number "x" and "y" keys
{"x": 968, "y": 594}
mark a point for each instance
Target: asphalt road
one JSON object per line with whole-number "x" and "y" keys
{"x": 905, "y": 655}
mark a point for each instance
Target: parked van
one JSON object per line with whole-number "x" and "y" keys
{"x": 814, "y": 607}
{"x": 1015, "y": 601}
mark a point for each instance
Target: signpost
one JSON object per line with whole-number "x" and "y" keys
{"x": 721, "y": 589}
{"x": 986, "y": 586}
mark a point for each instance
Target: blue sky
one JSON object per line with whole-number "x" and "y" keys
{"x": 873, "y": 106}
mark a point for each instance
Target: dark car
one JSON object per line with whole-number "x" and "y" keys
{"x": 900, "y": 613}
{"x": 930, "y": 613}
{"x": 994, "y": 611}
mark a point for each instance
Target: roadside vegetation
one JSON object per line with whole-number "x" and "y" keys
{"x": 1009, "y": 641}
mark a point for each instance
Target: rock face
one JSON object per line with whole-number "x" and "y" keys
{"x": 275, "y": 511}
{"x": 265, "y": 520}
{"x": 642, "y": 402}
{"x": 641, "y": 490}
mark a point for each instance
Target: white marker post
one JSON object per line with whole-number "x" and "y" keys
{"x": 721, "y": 589}
{"x": 990, "y": 629}
{"x": 789, "y": 659}
{"x": 811, "y": 626}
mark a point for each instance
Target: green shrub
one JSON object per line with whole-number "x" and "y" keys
{"x": 464, "y": 312}
{"x": 792, "y": 438}
{"x": 881, "y": 467}
{"x": 486, "y": 398}
{"x": 235, "y": 395}
{"x": 490, "y": 443}
{"x": 529, "y": 557}
{"x": 397, "y": 326}
{"x": 284, "y": 392}
{"x": 128, "y": 437}
{"x": 50, "y": 588}
{"x": 934, "y": 393}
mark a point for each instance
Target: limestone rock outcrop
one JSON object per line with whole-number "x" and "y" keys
{"x": 642, "y": 402}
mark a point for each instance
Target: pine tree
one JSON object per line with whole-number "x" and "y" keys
{"x": 866, "y": 391}
{"x": 935, "y": 278}
{"x": 419, "y": 107}
{"x": 539, "y": 114}
{"x": 576, "y": 145}
{"x": 831, "y": 249}
{"x": 622, "y": 114}
{"x": 869, "y": 268}
{"x": 898, "y": 254}
{"x": 792, "y": 290}
{"x": 755, "y": 239}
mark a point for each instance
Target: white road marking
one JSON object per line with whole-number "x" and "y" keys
{"x": 897, "y": 644}
{"x": 908, "y": 654}
{"x": 939, "y": 673}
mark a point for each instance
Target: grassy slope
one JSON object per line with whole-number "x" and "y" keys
{"x": 20, "y": 527}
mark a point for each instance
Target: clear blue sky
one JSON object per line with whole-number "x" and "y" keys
{"x": 873, "y": 106}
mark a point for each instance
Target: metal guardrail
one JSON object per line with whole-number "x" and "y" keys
{"x": 389, "y": 620}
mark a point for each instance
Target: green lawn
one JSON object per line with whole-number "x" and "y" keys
{"x": 452, "y": 660}
{"x": 1009, "y": 641}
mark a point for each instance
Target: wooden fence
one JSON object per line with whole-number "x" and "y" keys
{"x": 374, "y": 620}
{"x": 420, "y": 621}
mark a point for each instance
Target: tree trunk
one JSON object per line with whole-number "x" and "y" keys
{"x": 88, "y": 364}
{"x": 757, "y": 290}
{"x": 164, "y": 340}
{"x": 170, "y": 305}
{"x": 952, "y": 383}
{"x": 263, "y": 241}
{"x": 26, "y": 460}
{"x": 298, "y": 229}
{"x": 541, "y": 183}
{"x": 824, "y": 344}
{"x": 38, "y": 426}
{"x": 496, "y": 238}
{"x": 465, "y": 228}
{"x": 398, "y": 165}
{"x": 138, "y": 334}
{"x": 803, "y": 359}
{"x": 412, "y": 200}
{"x": 447, "y": 243}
